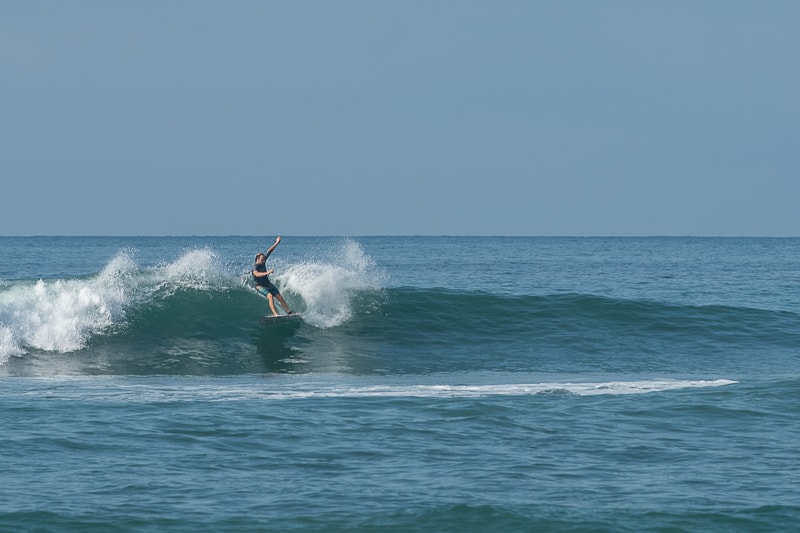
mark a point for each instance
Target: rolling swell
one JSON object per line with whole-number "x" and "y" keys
{"x": 213, "y": 329}
{"x": 569, "y": 331}
{"x": 432, "y": 313}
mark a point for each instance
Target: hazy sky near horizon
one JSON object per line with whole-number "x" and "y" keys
{"x": 400, "y": 117}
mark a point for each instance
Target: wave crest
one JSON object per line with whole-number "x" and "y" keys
{"x": 65, "y": 315}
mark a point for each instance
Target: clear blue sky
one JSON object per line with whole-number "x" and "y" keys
{"x": 400, "y": 117}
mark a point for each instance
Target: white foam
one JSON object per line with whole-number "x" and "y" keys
{"x": 9, "y": 347}
{"x": 63, "y": 315}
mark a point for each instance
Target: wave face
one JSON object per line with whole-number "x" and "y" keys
{"x": 197, "y": 315}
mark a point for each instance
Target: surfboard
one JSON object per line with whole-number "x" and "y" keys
{"x": 278, "y": 319}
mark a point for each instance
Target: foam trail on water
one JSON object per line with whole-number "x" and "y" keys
{"x": 216, "y": 391}
{"x": 513, "y": 389}
{"x": 328, "y": 288}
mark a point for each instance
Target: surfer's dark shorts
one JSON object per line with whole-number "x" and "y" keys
{"x": 267, "y": 289}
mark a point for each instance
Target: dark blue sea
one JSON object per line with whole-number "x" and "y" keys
{"x": 446, "y": 384}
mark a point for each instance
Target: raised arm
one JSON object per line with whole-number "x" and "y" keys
{"x": 272, "y": 248}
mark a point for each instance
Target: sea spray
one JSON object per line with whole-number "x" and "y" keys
{"x": 329, "y": 287}
{"x": 197, "y": 269}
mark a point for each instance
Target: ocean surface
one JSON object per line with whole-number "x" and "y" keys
{"x": 433, "y": 384}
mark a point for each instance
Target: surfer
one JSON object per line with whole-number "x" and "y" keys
{"x": 264, "y": 285}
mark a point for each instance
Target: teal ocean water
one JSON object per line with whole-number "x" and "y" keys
{"x": 433, "y": 384}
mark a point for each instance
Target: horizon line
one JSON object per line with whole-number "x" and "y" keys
{"x": 416, "y": 235}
